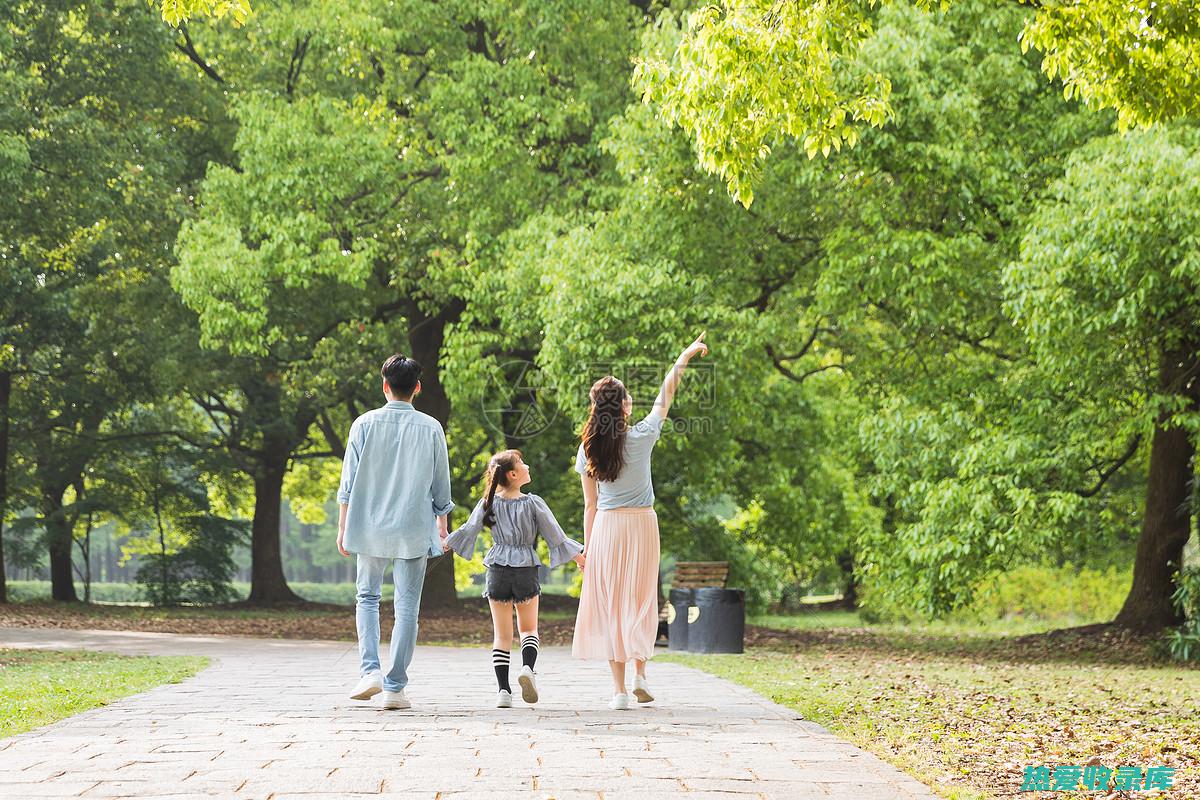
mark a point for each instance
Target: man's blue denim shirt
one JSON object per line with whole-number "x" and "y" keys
{"x": 396, "y": 480}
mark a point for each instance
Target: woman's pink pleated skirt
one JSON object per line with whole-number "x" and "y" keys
{"x": 618, "y": 608}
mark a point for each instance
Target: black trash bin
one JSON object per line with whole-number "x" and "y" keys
{"x": 719, "y": 623}
{"x": 679, "y": 601}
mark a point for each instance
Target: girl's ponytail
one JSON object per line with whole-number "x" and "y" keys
{"x": 498, "y": 468}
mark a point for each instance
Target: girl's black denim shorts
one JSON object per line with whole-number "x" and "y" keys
{"x": 512, "y": 584}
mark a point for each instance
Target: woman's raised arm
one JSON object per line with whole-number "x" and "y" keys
{"x": 666, "y": 395}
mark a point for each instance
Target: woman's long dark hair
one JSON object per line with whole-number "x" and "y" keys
{"x": 604, "y": 431}
{"x": 497, "y": 475}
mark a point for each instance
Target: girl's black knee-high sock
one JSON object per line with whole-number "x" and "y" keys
{"x": 529, "y": 650}
{"x": 500, "y": 663}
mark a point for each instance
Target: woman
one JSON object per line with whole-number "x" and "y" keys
{"x": 618, "y": 608}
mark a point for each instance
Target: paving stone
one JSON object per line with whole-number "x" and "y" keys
{"x": 226, "y": 733}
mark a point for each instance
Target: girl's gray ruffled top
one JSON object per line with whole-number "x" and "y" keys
{"x": 518, "y": 523}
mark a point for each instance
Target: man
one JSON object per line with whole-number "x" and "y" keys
{"x": 395, "y": 498}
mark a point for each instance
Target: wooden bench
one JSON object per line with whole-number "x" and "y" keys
{"x": 699, "y": 574}
{"x": 693, "y": 575}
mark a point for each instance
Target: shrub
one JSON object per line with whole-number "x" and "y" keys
{"x": 1183, "y": 642}
{"x": 198, "y": 572}
{"x": 1061, "y": 595}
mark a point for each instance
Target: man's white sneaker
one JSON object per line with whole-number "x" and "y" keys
{"x": 620, "y": 702}
{"x": 640, "y": 690}
{"x": 369, "y": 685}
{"x": 504, "y": 699}
{"x": 395, "y": 701}
{"x": 528, "y": 685}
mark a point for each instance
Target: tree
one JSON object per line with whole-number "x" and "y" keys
{"x": 746, "y": 75}
{"x": 85, "y": 216}
{"x": 1105, "y": 291}
{"x": 883, "y": 408}
{"x": 157, "y": 493}
{"x": 370, "y": 185}
{"x": 615, "y": 289}
{"x": 969, "y": 471}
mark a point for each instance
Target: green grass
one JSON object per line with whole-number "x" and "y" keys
{"x": 955, "y": 626}
{"x": 806, "y": 619}
{"x": 967, "y": 715}
{"x": 38, "y": 687}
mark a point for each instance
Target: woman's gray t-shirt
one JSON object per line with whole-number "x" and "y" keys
{"x": 633, "y": 487}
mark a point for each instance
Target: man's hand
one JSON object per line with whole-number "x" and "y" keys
{"x": 443, "y": 528}
{"x": 343, "y": 513}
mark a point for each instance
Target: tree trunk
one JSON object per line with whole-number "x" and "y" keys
{"x": 58, "y": 536}
{"x": 1166, "y": 522}
{"x": 425, "y": 336}
{"x": 845, "y": 562}
{"x": 438, "y": 591}
{"x": 267, "y": 583}
{"x": 5, "y": 394}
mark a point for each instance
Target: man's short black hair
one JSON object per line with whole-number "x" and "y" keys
{"x": 401, "y": 375}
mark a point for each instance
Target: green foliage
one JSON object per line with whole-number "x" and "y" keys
{"x": 25, "y": 591}
{"x": 109, "y": 129}
{"x": 1109, "y": 267}
{"x": 177, "y": 12}
{"x": 1183, "y": 642}
{"x": 1062, "y": 595}
{"x": 199, "y": 571}
{"x": 745, "y": 76}
{"x": 1121, "y": 55}
{"x": 934, "y": 350}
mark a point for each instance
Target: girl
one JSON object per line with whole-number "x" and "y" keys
{"x": 512, "y": 563}
{"x": 618, "y": 607}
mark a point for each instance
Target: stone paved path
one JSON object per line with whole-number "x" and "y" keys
{"x": 270, "y": 719}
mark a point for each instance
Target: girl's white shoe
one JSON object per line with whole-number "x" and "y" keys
{"x": 620, "y": 702}
{"x": 528, "y": 685}
{"x": 504, "y": 699}
{"x": 640, "y": 690}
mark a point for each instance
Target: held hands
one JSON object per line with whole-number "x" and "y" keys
{"x": 581, "y": 560}
{"x": 696, "y": 348}
{"x": 443, "y": 528}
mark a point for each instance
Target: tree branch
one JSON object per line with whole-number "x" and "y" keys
{"x": 189, "y": 50}
{"x": 296, "y": 63}
{"x": 335, "y": 442}
{"x": 1112, "y": 469}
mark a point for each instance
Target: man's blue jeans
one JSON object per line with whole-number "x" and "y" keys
{"x": 408, "y": 574}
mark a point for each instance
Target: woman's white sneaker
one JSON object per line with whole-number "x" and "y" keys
{"x": 640, "y": 690}
{"x": 504, "y": 699}
{"x": 619, "y": 702}
{"x": 528, "y": 685}
{"x": 369, "y": 685}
